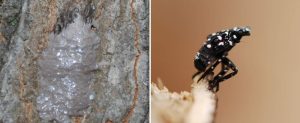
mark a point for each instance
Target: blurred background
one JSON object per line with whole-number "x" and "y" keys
{"x": 267, "y": 87}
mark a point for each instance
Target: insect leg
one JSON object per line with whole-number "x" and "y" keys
{"x": 196, "y": 74}
{"x": 214, "y": 84}
{"x": 209, "y": 70}
{"x": 230, "y": 64}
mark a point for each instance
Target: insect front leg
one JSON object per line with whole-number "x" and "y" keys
{"x": 209, "y": 70}
{"x": 214, "y": 84}
{"x": 226, "y": 65}
{"x": 197, "y": 73}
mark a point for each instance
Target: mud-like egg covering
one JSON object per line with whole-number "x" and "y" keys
{"x": 66, "y": 72}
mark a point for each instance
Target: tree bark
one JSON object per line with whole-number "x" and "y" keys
{"x": 40, "y": 66}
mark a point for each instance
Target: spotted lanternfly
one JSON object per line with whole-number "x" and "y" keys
{"x": 215, "y": 51}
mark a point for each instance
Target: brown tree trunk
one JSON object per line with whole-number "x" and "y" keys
{"x": 74, "y": 61}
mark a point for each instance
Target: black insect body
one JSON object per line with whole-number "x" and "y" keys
{"x": 215, "y": 51}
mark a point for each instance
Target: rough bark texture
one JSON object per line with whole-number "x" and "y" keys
{"x": 197, "y": 106}
{"x": 117, "y": 78}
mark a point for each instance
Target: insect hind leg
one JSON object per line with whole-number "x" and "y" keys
{"x": 214, "y": 84}
{"x": 226, "y": 65}
{"x": 230, "y": 64}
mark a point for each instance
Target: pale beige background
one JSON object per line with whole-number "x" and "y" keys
{"x": 267, "y": 87}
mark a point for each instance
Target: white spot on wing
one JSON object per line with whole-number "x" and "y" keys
{"x": 230, "y": 43}
{"x": 197, "y": 55}
{"x": 208, "y": 46}
{"x": 235, "y": 28}
{"x": 219, "y": 37}
{"x": 221, "y": 43}
{"x": 234, "y": 36}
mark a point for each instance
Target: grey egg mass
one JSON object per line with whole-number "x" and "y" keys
{"x": 65, "y": 72}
